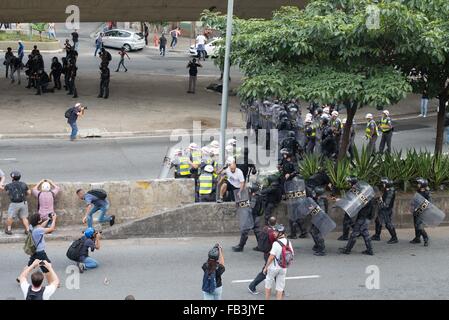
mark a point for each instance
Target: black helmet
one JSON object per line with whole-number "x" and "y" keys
{"x": 319, "y": 191}
{"x": 352, "y": 180}
{"x": 214, "y": 253}
{"x": 291, "y": 134}
{"x": 319, "y": 110}
{"x": 387, "y": 182}
{"x": 254, "y": 188}
{"x": 325, "y": 120}
{"x": 423, "y": 183}
{"x": 15, "y": 175}
{"x": 279, "y": 228}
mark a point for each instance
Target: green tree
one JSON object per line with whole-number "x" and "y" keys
{"x": 39, "y": 27}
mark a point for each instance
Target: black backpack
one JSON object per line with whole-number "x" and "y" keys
{"x": 74, "y": 251}
{"x": 68, "y": 113}
{"x": 99, "y": 193}
{"x": 263, "y": 241}
{"x": 209, "y": 282}
{"x": 16, "y": 192}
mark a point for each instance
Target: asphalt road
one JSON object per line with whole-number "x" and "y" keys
{"x": 98, "y": 159}
{"x": 171, "y": 269}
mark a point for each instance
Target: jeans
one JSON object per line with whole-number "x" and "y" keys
{"x": 424, "y": 104}
{"x": 103, "y": 216}
{"x": 77, "y": 46}
{"x": 192, "y": 84}
{"x": 74, "y": 130}
{"x": 162, "y": 50}
{"x": 90, "y": 263}
{"x": 174, "y": 41}
{"x": 97, "y": 48}
{"x": 214, "y": 296}
{"x": 122, "y": 63}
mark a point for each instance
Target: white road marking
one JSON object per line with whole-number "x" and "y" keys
{"x": 8, "y": 159}
{"x": 287, "y": 278}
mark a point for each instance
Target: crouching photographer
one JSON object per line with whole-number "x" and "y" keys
{"x": 79, "y": 250}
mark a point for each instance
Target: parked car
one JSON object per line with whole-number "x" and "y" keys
{"x": 211, "y": 49}
{"x": 129, "y": 39}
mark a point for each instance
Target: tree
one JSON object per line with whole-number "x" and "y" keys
{"x": 39, "y": 27}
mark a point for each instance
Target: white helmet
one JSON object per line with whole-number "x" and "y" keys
{"x": 386, "y": 112}
{"x": 178, "y": 152}
{"x": 230, "y": 160}
{"x": 193, "y": 145}
{"x": 215, "y": 151}
{"x": 335, "y": 113}
{"x": 344, "y": 121}
{"x": 326, "y": 110}
{"x": 308, "y": 120}
{"x": 78, "y": 105}
{"x": 232, "y": 142}
{"x": 209, "y": 168}
{"x": 45, "y": 186}
{"x": 229, "y": 148}
{"x": 215, "y": 144}
{"x": 369, "y": 116}
{"x": 205, "y": 150}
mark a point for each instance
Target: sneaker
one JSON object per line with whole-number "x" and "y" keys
{"x": 393, "y": 240}
{"x": 112, "y": 221}
{"x": 424, "y": 116}
{"x": 81, "y": 266}
{"x": 319, "y": 253}
{"x": 426, "y": 243}
{"x": 252, "y": 291}
{"x": 237, "y": 249}
{"x": 220, "y": 201}
{"x": 8, "y": 232}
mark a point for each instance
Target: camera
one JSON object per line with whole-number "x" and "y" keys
{"x": 42, "y": 263}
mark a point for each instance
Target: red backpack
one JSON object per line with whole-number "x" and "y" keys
{"x": 286, "y": 256}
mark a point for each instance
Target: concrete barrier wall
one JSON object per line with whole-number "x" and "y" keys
{"x": 129, "y": 200}
{"x": 212, "y": 219}
{"x": 50, "y": 46}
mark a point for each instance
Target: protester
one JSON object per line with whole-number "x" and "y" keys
{"x": 162, "y": 45}
{"x": 235, "y": 180}
{"x": 36, "y": 291}
{"x": 175, "y": 33}
{"x": 193, "y": 72}
{"x": 213, "y": 270}
{"x": 122, "y": 54}
{"x": 96, "y": 201}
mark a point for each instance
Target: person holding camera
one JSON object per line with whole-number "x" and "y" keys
{"x": 39, "y": 228}
{"x": 36, "y": 291}
{"x": 193, "y": 72}
{"x": 17, "y": 192}
{"x": 213, "y": 270}
{"x": 45, "y": 192}
{"x": 72, "y": 115}
{"x": 90, "y": 240}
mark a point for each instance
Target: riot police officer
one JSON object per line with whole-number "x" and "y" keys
{"x": 319, "y": 246}
{"x": 360, "y": 228}
{"x": 72, "y": 73}
{"x": 424, "y": 191}
{"x": 371, "y": 134}
{"x": 385, "y": 212}
{"x": 292, "y": 144}
{"x": 310, "y": 132}
{"x": 347, "y": 222}
{"x": 104, "y": 83}
{"x": 328, "y": 142}
{"x": 272, "y": 196}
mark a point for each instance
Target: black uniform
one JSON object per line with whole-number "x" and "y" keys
{"x": 272, "y": 196}
{"x": 56, "y": 71}
{"x": 43, "y": 80}
{"x": 292, "y": 144}
{"x": 104, "y": 84}
{"x": 257, "y": 207}
{"x": 328, "y": 142}
{"x": 385, "y": 213}
{"x": 317, "y": 237}
{"x": 360, "y": 228}
{"x": 72, "y": 71}
{"x": 418, "y": 224}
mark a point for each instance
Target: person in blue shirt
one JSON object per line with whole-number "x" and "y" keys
{"x": 20, "y": 51}
{"x": 95, "y": 203}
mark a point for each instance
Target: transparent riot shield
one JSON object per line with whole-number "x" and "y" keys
{"x": 356, "y": 198}
{"x": 427, "y": 212}
{"x": 295, "y": 193}
{"x": 244, "y": 211}
{"x": 320, "y": 218}
{"x": 166, "y": 164}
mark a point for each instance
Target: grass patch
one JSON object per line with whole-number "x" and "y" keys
{"x": 14, "y": 36}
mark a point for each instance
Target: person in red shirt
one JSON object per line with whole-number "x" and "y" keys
{"x": 267, "y": 236}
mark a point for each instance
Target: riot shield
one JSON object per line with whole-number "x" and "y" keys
{"x": 356, "y": 198}
{"x": 166, "y": 164}
{"x": 295, "y": 193}
{"x": 427, "y": 212}
{"x": 246, "y": 220}
{"x": 320, "y": 218}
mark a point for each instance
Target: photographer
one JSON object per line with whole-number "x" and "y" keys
{"x": 35, "y": 291}
{"x": 45, "y": 192}
{"x": 38, "y": 229}
{"x": 72, "y": 115}
{"x": 213, "y": 270}
{"x": 90, "y": 240}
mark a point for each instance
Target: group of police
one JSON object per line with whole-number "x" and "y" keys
{"x": 320, "y": 132}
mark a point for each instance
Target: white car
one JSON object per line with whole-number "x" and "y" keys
{"x": 211, "y": 49}
{"x": 129, "y": 39}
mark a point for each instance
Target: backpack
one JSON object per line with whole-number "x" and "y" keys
{"x": 263, "y": 242}
{"x": 99, "y": 193}
{"x": 74, "y": 251}
{"x": 286, "y": 256}
{"x": 68, "y": 113}
{"x": 209, "y": 282}
{"x": 16, "y": 192}
{"x": 29, "y": 247}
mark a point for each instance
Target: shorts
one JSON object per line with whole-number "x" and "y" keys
{"x": 275, "y": 274}
{"x": 230, "y": 187}
{"x": 18, "y": 210}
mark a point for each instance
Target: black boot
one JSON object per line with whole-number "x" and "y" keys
{"x": 343, "y": 237}
{"x": 237, "y": 248}
{"x": 394, "y": 238}
{"x": 369, "y": 247}
{"x": 292, "y": 234}
{"x": 348, "y": 248}
{"x": 376, "y": 237}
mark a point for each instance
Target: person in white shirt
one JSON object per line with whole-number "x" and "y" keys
{"x": 36, "y": 291}
{"x": 200, "y": 47}
{"x": 235, "y": 180}
{"x": 273, "y": 269}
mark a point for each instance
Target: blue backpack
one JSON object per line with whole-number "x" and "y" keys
{"x": 209, "y": 282}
